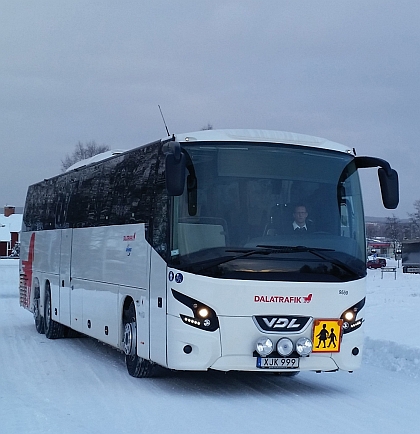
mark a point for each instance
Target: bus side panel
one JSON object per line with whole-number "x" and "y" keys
{"x": 100, "y": 317}
{"x": 76, "y": 306}
{"x": 108, "y": 264}
{"x": 39, "y": 261}
{"x": 112, "y": 254}
{"x": 158, "y": 309}
{"x": 47, "y": 251}
{"x": 46, "y": 267}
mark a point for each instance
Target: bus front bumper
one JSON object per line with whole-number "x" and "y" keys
{"x": 232, "y": 348}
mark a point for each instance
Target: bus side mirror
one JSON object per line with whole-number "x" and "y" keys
{"x": 175, "y": 169}
{"x": 388, "y": 179}
{"x": 389, "y": 188}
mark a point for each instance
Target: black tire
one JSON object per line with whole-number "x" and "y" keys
{"x": 39, "y": 320}
{"x": 53, "y": 329}
{"x": 136, "y": 366}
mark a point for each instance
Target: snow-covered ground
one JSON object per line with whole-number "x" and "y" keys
{"x": 81, "y": 386}
{"x": 392, "y": 322}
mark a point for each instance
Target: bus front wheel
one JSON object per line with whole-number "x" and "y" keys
{"x": 136, "y": 366}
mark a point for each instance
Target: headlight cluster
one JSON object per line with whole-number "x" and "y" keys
{"x": 349, "y": 317}
{"x": 284, "y": 347}
{"x": 204, "y": 317}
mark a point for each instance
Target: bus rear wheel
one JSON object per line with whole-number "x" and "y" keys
{"x": 53, "y": 329}
{"x": 136, "y": 366}
{"x": 39, "y": 320}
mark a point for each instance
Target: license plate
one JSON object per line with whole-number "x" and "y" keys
{"x": 277, "y": 362}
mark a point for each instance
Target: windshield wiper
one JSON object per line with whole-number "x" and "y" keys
{"x": 244, "y": 253}
{"x": 317, "y": 252}
{"x": 293, "y": 249}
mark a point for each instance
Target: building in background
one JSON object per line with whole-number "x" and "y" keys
{"x": 10, "y": 225}
{"x": 381, "y": 247}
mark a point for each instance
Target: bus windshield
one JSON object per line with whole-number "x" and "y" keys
{"x": 243, "y": 201}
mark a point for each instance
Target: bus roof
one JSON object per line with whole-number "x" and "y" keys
{"x": 232, "y": 135}
{"x": 263, "y": 136}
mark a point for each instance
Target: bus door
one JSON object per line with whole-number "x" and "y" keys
{"x": 65, "y": 276}
{"x": 158, "y": 309}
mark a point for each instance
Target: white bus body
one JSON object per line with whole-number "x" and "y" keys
{"x": 205, "y": 278}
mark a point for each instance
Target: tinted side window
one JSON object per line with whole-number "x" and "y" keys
{"x": 117, "y": 191}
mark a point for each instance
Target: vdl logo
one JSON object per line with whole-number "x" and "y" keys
{"x": 282, "y": 323}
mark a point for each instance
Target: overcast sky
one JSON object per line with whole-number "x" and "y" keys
{"x": 82, "y": 70}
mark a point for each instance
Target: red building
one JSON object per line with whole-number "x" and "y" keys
{"x": 381, "y": 248}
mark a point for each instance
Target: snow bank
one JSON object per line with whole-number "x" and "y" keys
{"x": 9, "y": 278}
{"x": 392, "y": 356}
{"x": 392, "y": 322}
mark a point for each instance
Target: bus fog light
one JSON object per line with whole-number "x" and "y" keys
{"x": 265, "y": 346}
{"x": 304, "y": 346}
{"x": 285, "y": 347}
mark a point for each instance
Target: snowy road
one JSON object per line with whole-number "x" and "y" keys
{"x": 81, "y": 386}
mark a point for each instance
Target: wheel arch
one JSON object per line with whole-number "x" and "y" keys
{"x": 124, "y": 306}
{"x": 127, "y": 301}
{"x": 137, "y": 366}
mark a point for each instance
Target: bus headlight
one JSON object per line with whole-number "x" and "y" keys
{"x": 203, "y": 312}
{"x": 303, "y": 346}
{"x": 349, "y": 317}
{"x": 203, "y": 317}
{"x": 264, "y": 346}
{"x": 285, "y": 347}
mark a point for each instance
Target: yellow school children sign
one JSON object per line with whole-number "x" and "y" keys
{"x": 327, "y": 335}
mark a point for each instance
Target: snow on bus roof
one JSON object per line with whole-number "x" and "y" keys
{"x": 95, "y": 158}
{"x": 263, "y": 136}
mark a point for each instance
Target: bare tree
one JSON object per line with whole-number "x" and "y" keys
{"x": 81, "y": 152}
{"x": 373, "y": 230}
{"x": 393, "y": 228}
{"x": 415, "y": 220}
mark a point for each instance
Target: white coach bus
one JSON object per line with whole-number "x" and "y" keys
{"x": 181, "y": 253}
